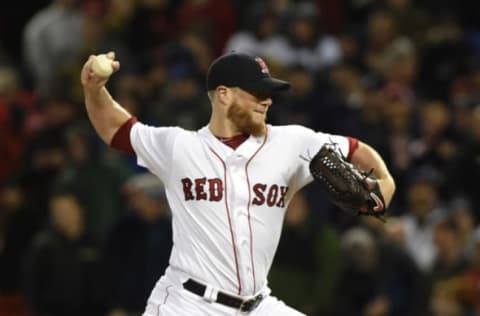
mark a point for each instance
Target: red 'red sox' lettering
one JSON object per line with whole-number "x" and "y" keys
{"x": 187, "y": 189}
{"x": 199, "y": 189}
{"x": 212, "y": 190}
{"x": 202, "y": 189}
{"x": 275, "y": 195}
{"x": 215, "y": 187}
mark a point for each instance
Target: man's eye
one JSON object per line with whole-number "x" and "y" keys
{"x": 262, "y": 95}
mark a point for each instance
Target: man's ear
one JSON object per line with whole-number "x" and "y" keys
{"x": 224, "y": 95}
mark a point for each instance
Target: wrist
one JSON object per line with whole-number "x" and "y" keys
{"x": 387, "y": 187}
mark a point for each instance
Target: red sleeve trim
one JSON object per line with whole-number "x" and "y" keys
{"x": 353, "y": 146}
{"x": 121, "y": 139}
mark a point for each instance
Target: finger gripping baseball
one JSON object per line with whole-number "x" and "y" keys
{"x": 344, "y": 185}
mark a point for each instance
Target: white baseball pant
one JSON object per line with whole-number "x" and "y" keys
{"x": 169, "y": 298}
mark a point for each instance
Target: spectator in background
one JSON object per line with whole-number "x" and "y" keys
{"x": 342, "y": 96}
{"x": 183, "y": 102}
{"x": 215, "y": 19}
{"x": 199, "y": 53}
{"x": 260, "y": 34}
{"x": 450, "y": 260}
{"x": 17, "y": 226}
{"x": 138, "y": 247}
{"x": 298, "y": 105}
{"x": 380, "y": 31}
{"x": 410, "y": 18}
{"x": 50, "y": 39}
{"x": 86, "y": 164}
{"x": 364, "y": 113}
{"x": 62, "y": 265}
{"x": 424, "y": 210}
{"x": 154, "y": 77}
{"x": 472, "y": 275}
{"x": 463, "y": 215}
{"x": 447, "y": 300}
{"x": 435, "y": 146}
{"x": 97, "y": 33}
{"x": 444, "y": 54}
{"x": 145, "y": 25}
{"x": 45, "y": 153}
{"x": 398, "y": 113}
{"x": 398, "y": 69}
{"x": 304, "y": 43}
{"x": 410, "y": 294}
{"x": 467, "y": 166}
{"x": 17, "y": 107}
{"x": 376, "y": 279}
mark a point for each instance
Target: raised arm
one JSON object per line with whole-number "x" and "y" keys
{"x": 105, "y": 114}
{"x": 366, "y": 158}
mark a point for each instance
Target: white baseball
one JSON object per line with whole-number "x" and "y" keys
{"x": 102, "y": 65}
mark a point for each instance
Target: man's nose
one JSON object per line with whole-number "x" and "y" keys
{"x": 266, "y": 101}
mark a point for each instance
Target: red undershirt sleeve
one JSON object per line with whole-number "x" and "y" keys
{"x": 353, "y": 146}
{"x": 121, "y": 139}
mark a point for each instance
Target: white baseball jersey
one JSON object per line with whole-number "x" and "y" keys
{"x": 228, "y": 205}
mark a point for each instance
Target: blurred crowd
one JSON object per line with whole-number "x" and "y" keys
{"x": 84, "y": 231}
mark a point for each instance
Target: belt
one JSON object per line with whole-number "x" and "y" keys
{"x": 223, "y": 298}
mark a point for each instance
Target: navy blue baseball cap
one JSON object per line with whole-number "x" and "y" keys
{"x": 247, "y": 72}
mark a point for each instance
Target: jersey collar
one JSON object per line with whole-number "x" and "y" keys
{"x": 247, "y": 149}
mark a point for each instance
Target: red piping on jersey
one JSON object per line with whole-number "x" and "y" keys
{"x": 229, "y": 219}
{"x": 353, "y": 146}
{"x": 248, "y": 211}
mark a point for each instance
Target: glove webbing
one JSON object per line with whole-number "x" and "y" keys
{"x": 345, "y": 181}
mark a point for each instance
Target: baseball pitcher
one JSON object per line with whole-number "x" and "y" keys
{"x": 229, "y": 183}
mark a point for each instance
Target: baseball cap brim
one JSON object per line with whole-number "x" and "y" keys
{"x": 269, "y": 85}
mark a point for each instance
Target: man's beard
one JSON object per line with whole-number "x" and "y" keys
{"x": 243, "y": 119}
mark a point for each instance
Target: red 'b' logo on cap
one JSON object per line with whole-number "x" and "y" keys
{"x": 262, "y": 64}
